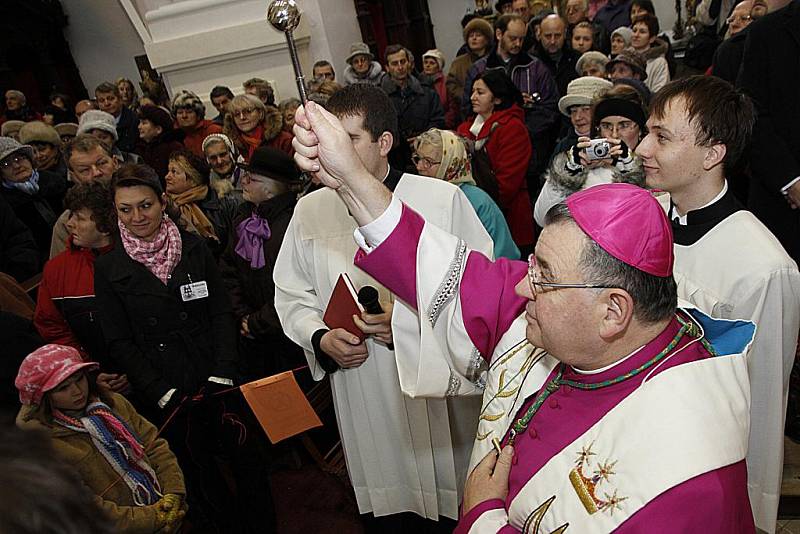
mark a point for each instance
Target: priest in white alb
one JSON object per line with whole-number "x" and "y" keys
{"x": 615, "y": 409}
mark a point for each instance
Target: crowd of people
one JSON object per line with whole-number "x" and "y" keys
{"x": 173, "y": 257}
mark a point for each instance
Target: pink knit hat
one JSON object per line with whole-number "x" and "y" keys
{"x": 628, "y": 223}
{"x": 45, "y": 368}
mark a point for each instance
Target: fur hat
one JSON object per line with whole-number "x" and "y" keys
{"x": 437, "y": 55}
{"x": 9, "y": 146}
{"x": 359, "y": 49}
{"x": 479, "y": 25}
{"x": 10, "y": 128}
{"x": 157, "y": 115}
{"x": 592, "y": 56}
{"x": 67, "y": 128}
{"x": 581, "y": 91}
{"x": 94, "y": 119}
{"x": 631, "y": 58}
{"x": 187, "y": 99}
{"x": 39, "y": 132}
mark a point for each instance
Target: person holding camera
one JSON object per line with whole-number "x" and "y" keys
{"x": 618, "y": 123}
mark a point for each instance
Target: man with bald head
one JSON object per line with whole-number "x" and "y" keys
{"x": 728, "y": 56}
{"x": 552, "y": 50}
{"x": 83, "y": 106}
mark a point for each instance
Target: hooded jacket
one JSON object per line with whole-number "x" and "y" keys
{"x": 373, "y": 76}
{"x": 530, "y": 76}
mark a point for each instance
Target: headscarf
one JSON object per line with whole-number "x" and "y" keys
{"x": 191, "y": 214}
{"x": 159, "y": 256}
{"x": 455, "y": 167}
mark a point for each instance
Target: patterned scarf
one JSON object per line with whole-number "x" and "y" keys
{"x": 29, "y": 187}
{"x": 253, "y": 140}
{"x": 252, "y": 233}
{"x": 160, "y": 255}
{"x": 119, "y": 445}
{"x": 191, "y": 214}
{"x": 455, "y": 167}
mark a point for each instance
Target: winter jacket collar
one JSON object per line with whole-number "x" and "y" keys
{"x": 494, "y": 61}
{"x": 657, "y": 49}
{"x": 500, "y": 118}
{"x": 412, "y": 86}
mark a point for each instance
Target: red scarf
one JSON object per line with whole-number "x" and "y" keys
{"x": 253, "y": 140}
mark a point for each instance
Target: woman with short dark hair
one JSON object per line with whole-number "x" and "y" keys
{"x": 498, "y": 126}
{"x": 168, "y": 320}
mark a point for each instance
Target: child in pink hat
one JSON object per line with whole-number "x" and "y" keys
{"x": 116, "y": 452}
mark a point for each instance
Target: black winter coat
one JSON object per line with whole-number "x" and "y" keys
{"x": 220, "y": 213}
{"x": 771, "y": 75}
{"x": 19, "y": 254}
{"x": 418, "y": 106}
{"x": 252, "y": 291}
{"x": 39, "y": 212}
{"x": 127, "y": 130}
{"x": 159, "y": 340}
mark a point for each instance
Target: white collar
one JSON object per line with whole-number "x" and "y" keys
{"x": 607, "y": 367}
{"x": 682, "y": 219}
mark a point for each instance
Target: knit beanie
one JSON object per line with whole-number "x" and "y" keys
{"x": 157, "y": 115}
{"x": 437, "y": 55}
{"x": 39, "y": 132}
{"x": 94, "y": 119}
{"x": 211, "y": 138}
{"x": 625, "y": 33}
{"x": 479, "y": 25}
{"x": 187, "y": 99}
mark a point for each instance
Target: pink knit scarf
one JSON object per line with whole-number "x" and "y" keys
{"x": 160, "y": 255}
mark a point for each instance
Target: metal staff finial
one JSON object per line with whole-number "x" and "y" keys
{"x": 284, "y": 17}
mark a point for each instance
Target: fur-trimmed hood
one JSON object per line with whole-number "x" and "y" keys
{"x": 272, "y": 123}
{"x": 659, "y": 48}
{"x": 567, "y": 181}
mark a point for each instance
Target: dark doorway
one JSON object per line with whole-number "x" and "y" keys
{"x": 405, "y": 22}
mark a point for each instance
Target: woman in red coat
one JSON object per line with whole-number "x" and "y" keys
{"x": 499, "y": 126}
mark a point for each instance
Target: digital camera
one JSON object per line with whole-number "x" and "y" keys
{"x": 598, "y": 149}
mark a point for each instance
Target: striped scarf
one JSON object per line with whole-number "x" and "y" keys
{"x": 119, "y": 445}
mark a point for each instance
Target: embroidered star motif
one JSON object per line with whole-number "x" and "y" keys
{"x": 612, "y": 503}
{"x": 606, "y": 470}
{"x": 584, "y": 455}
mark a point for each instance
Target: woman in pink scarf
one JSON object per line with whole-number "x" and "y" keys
{"x": 168, "y": 320}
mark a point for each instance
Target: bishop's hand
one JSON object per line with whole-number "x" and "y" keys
{"x": 489, "y": 479}
{"x": 323, "y": 147}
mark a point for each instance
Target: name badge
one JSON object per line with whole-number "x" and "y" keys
{"x": 197, "y": 290}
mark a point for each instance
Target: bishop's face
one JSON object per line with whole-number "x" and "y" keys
{"x": 561, "y": 320}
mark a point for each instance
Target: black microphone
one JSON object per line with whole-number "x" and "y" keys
{"x": 368, "y": 297}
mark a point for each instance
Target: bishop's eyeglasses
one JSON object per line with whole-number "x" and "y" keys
{"x": 537, "y": 286}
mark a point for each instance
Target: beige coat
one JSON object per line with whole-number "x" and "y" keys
{"x": 77, "y": 450}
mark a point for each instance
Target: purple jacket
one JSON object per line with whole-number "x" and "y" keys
{"x": 531, "y": 76}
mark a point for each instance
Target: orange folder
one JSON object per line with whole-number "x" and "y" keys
{"x": 280, "y": 406}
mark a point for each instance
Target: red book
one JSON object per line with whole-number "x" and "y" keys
{"x": 342, "y": 306}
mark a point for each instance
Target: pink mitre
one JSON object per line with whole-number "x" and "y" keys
{"x": 628, "y": 223}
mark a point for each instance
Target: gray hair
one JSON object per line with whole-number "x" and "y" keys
{"x": 19, "y": 95}
{"x": 655, "y": 298}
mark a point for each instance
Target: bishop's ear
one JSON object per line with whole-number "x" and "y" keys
{"x": 617, "y": 312}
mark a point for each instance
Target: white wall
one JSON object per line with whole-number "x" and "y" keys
{"x": 446, "y": 18}
{"x": 333, "y": 27}
{"x": 102, "y": 40}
